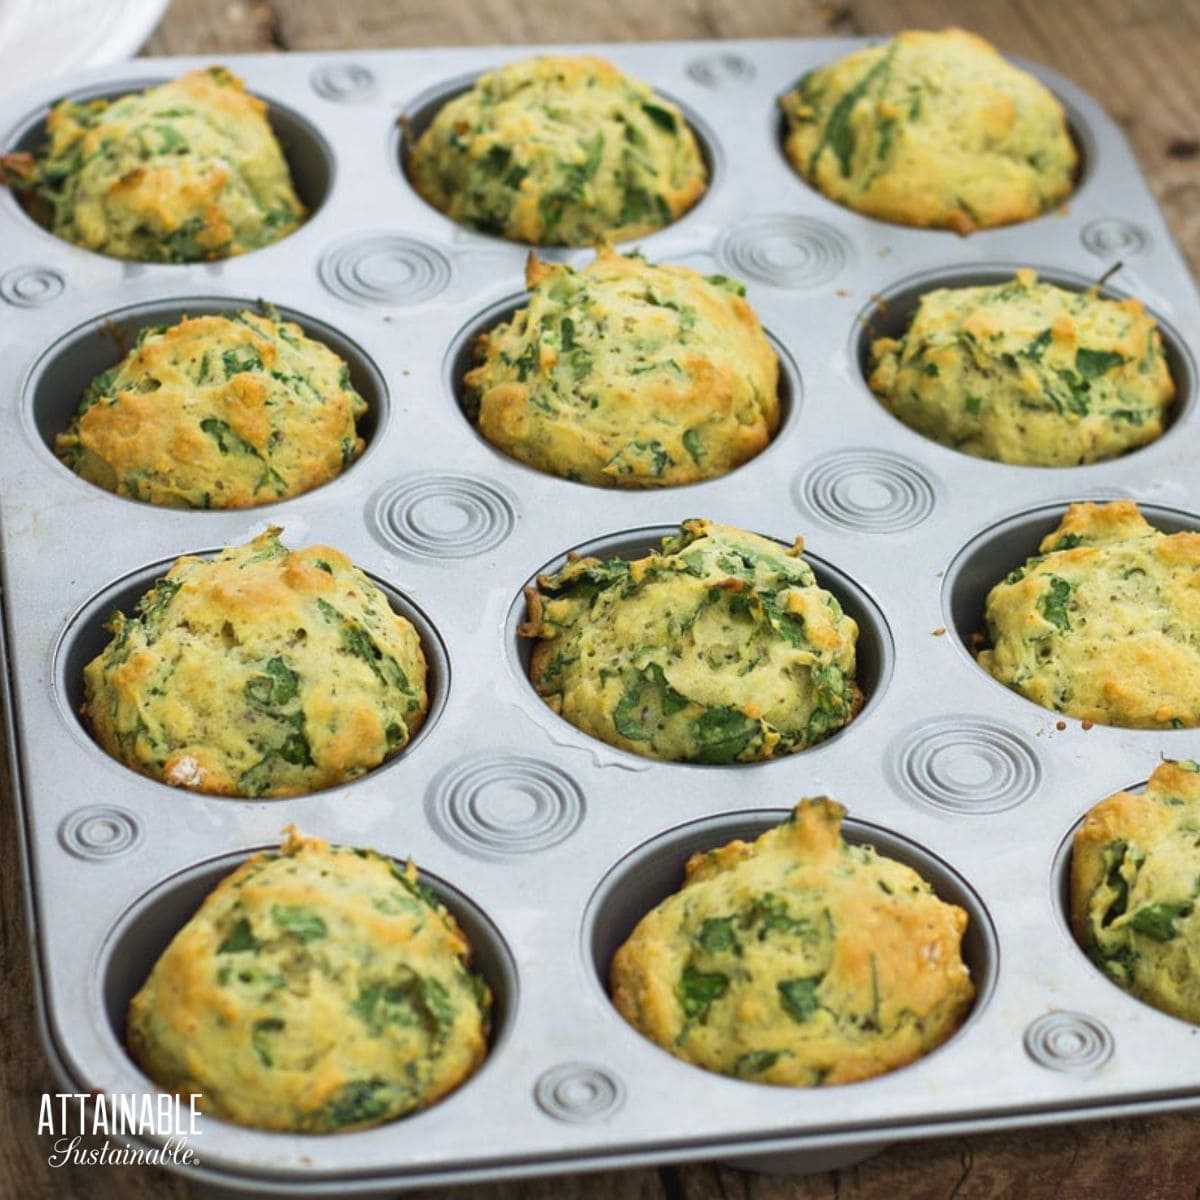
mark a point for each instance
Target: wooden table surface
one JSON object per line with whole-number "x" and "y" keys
{"x": 1140, "y": 60}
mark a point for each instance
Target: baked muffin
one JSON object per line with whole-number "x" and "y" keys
{"x": 931, "y": 129}
{"x": 1135, "y": 877}
{"x": 1101, "y": 624}
{"x": 559, "y": 151}
{"x": 262, "y": 671}
{"x": 182, "y": 172}
{"x": 1027, "y": 372}
{"x": 217, "y": 412}
{"x": 627, "y": 374}
{"x": 318, "y": 988}
{"x": 797, "y": 959}
{"x": 720, "y": 648}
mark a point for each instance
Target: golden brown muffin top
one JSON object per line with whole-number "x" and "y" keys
{"x": 931, "y": 129}
{"x": 797, "y": 959}
{"x": 318, "y": 988}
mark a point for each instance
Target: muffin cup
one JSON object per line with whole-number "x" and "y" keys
{"x": 310, "y": 158}
{"x": 62, "y": 374}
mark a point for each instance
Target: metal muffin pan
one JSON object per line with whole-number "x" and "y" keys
{"x": 548, "y": 843}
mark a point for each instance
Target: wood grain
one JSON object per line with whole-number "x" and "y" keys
{"x": 1139, "y": 59}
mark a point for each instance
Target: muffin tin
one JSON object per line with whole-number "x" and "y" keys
{"x": 548, "y": 844}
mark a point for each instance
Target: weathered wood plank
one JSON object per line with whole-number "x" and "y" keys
{"x": 1152, "y": 1159}
{"x": 215, "y": 27}
{"x": 313, "y": 24}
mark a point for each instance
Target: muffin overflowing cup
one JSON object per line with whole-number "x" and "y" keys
{"x": 797, "y": 959}
{"x": 559, "y": 151}
{"x": 184, "y": 172}
{"x": 322, "y": 988}
{"x": 931, "y": 129}
{"x": 226, "y": 410}
{"x": 318, "y": 988}
{"x": 1026, "y": 372}
{"x": 627, "y": 374}
{"x": 1135, "y": 883}
{"x": 721, "y": 648}
{"x": 261, "y": 672}
{"x": 1102, "y": 623}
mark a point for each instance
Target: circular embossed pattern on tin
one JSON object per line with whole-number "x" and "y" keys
{"x": 965, "y": 765}
{"x": 654, "y": 870}
{"x": 784, "y": 250}
{"x": 721, "y": 69}
{"x": 868, "y": 491}
{"x": 439, "y": 516}
{"x": 345, "y": 82}
{"x": 99, "y": 832}
{"x": 85, "y": 636}
{"x": 147, "y": 927}
{"x": 495, "y": 804}
{"x": 31, "y": 287}
{"x": 309, "y": 157}
{"x": 579, "y": 1092}
{"x": 1113, "y": 237}
{"x": 384, "y": 269}
{"x": 1068, "y": 1041}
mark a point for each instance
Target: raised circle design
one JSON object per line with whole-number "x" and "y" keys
{"x": 385, "y": 269}
{"x": 579, "y": 1092}
{"x": 720, "y": 69}
{"x": 966, "y": 766}
{"x": 1112, "y": 237}
{"x": 344, "y": 82}
{"x": 441, "y": 516}
{"x": 784, "y": 250}
{"x": 1068, "y": 1041}
{"x": 495, "y": 804}
{"x": 99, "y": 832}
{"x": 31, "y": 287}
{"x": 867, "y": 491}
